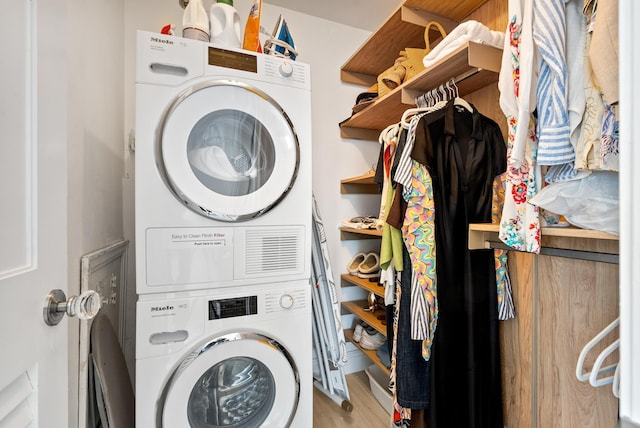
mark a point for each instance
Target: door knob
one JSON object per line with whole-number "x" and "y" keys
{"x": 85, "y": 306}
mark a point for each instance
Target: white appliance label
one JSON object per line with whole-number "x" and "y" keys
{"x": 189, "y": 255}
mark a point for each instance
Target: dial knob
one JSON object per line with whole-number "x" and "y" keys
{"x": 286, "y": 301}
{"x": 286, "y": 69}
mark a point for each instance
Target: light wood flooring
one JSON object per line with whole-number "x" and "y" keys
{"x": 366, "y": 413}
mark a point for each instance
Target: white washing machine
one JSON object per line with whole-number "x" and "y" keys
{"x": 225, "y": 358}
{"x": 223, "y": 166}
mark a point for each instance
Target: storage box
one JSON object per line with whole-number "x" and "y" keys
{"x": 379, "y": 384}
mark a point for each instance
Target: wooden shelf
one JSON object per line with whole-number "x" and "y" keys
{"x": 348, "y": 233}
{"x": 362, "y": 184}
{"x": 356, "y": 307}
{"x": 369, "y": 353}
{"x": 472, "y": 65}
{"x": 404, "y": 28}
{"x": 482, "y": 234}
{"x": 372, "y": 287}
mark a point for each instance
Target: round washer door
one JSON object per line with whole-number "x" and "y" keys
{"x": 227, "y": 150}
{"x": 242, "y": 380}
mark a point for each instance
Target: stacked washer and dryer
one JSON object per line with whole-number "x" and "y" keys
{"x": 223, "y": 237}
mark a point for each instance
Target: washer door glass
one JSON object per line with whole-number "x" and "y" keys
{"x": 236, "y": 392}
{"x": 227, "y": 150}
{"x": 241, "y": 380}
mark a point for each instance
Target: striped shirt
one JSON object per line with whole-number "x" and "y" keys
{"x": 549, "y": 35}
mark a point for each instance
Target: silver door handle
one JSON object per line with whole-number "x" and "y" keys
{"x": 85, "y": 306}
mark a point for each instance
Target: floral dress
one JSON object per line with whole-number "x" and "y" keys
{"x": 520, "y": 222}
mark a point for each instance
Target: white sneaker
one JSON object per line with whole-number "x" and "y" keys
{"x": 357, "y": 333}
{"x": 371, "y": 339}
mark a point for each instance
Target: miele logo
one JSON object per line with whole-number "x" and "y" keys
{"x": 165, "y": 41}
{"x": 162, "y": 308}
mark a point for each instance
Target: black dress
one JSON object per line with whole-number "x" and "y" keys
{"x": 463, "y": 151}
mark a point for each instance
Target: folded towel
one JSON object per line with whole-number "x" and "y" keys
{"x": 467, "y": 31}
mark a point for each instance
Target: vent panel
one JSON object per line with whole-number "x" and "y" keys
{"x": 274, "y": 251}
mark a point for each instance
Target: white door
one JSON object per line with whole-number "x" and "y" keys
{"x": 33, "y": 237}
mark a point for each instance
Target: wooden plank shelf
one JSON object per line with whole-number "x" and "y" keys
{"x": 362, "y": 184}
{"x": 348, "y": 233}
{"x": 482, "y": 234}
{"x": 568, "y": 242}
{"x": 356, "y": 307}
{"x": 371, "y": 286}
{"x": 404, "y": 28}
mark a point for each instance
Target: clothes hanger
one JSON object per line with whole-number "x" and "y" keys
{"x": 580, "y": 374}
{"x": 599, "y": 370}
{"x": 409, "y": 113}
{"x": 459, "y": 101}
{"x": 389, "y": 133}
{"x": 615, "y": 387}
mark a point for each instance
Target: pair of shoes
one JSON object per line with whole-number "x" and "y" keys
{"x": 371, "y": 339}
{"x": 360, "y": 222}
{"x": 357, "y": 331}
{"x": 365, "y": 265}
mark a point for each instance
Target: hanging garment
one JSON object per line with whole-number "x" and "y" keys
{"x": 463, "y": 151}
{"x": 418, "y": 231}
{"x": 520, "y": 222}
{"x": 575, "y": 101}
{"x": 410, "y": 373}
{"x": 506, "y": 309}
{"x": 549, "y": 35}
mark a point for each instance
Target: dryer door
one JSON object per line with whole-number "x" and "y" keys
{"x": 242, "y": 380}
{"x": 227, "y": 150}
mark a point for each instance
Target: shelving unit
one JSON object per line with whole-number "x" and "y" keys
{"x": 472, "y": 65}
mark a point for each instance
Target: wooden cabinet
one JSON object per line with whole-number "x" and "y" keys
{"x": 562, "y": 299}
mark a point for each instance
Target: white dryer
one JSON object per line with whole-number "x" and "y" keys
{"x": 225, "y": 358}
{"x": 223, "y": 166}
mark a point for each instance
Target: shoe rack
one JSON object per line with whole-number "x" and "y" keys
{"x": 362, "y": 184}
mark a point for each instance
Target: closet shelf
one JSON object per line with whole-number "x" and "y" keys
{"x": 485, "y": 235}
{"x": 369, "y": 353}
{"x": 348, "y": 233}
{"x": 356, "y": 307}
{"x": 362, "y": 184}
{"x": 404, "y": 28}
{"x": 364, "y": 283}
{"x": 472, "y": 66}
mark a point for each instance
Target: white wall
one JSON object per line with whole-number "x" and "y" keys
{"x": 325, "y": 46}
{"x": 95, "y": 157}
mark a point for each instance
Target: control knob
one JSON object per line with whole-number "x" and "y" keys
{"x": 285, "y": 69}
{"x": 286, "y": 301}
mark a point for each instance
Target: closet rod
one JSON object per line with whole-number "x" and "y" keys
{"x": 592, "y": 256}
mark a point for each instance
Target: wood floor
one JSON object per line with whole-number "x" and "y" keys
{"x": 367, "y": 412}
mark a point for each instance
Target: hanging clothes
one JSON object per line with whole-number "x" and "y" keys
{"x": 520, "y": 221}
{"x": 463, "y": 152}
